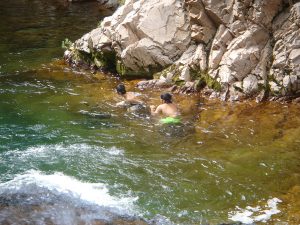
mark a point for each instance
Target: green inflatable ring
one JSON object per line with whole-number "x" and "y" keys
{"x": 170, "y": 120}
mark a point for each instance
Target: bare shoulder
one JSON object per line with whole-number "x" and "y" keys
{"x": 159, "y": 108}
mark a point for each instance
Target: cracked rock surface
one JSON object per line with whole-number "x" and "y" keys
{"x": 250, "y": 48}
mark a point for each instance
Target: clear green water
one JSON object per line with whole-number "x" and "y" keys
{"x": 228, "y": 155}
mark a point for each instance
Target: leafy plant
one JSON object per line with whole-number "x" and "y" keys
{"x": 121, "y": 2}
{"x": 66, "y": 44}
{"x": 99, "y": 23}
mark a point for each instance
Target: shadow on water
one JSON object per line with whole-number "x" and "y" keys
{"x": 31, "y": 31}
{"x": 179, "y": 130}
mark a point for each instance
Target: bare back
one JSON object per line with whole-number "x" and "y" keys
{"x": 167, "y": 109}
{"x": 133, "y": 98}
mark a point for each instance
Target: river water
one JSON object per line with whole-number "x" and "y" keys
{"x": 69, "y": 156}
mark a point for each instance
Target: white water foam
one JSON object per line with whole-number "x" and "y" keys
{"x": 250, "y": 215}
{"x": 58, "y": 183}
{"x": 65, "y": 150}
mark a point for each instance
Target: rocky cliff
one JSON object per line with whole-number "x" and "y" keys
{"x": 231, "y": 49}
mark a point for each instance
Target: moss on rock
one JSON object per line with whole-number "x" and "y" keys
{"x": 126, "y": 72}
{"x": 204, "y": 79}
{"x": 201, "y": 78}
{"x": 105, "y": 59}
{"x": 80, "y": 58}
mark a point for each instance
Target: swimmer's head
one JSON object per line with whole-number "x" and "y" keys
{"x": 166, "y": 97}
{"x": 121, "y": 89}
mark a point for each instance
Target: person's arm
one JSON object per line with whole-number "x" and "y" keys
{"x": 155, "y": 111}
{"x": 133, "y": 98}
{"x": 122, "y": 104}
{"x": 134, "y": 101}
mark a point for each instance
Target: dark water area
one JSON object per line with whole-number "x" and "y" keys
{"x": 68, "y": 155}
{"x": 31, "y": 31}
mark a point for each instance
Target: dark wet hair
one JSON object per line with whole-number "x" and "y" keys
{"x": 166, "y": 97}
{"x": 121, "y": 89}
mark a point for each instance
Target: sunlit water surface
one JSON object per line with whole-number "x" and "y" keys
{"x": 68, "y": 155}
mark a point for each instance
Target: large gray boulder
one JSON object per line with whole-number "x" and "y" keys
{"x": 238, "y": 49}
{"x": 146, "y": 35}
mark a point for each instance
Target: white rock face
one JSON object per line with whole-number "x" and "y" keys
{"x": 202, "y": 27}
{"x": 83, "y": 44}
{"x": 194, "y": 56}
{"x": 242, "y": 55}
{"x": 243, "y": 45}
{"x": 147, "y": 33}
{"x": 286, "y": 51}
{"x": 250, "y": 85}
{"x": 219, "y": 46}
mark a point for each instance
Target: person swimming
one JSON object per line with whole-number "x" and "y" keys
{"x": 168, "y": 109}
{"x": 131, "y": 100}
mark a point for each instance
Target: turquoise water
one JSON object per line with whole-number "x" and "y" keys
{"x": 75, "y": 167}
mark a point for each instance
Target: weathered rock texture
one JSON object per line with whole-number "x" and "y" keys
{"x": 234, "y": 48}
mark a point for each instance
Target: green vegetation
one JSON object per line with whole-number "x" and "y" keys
{"x": 171, "y": 69}
{"x": 99, "y": 23}
{"x": 120, "y": 67}
{"x": 124, "y": 71}
{"x": 209, "y": 81}
{"x": 201, "y": 78}
{"x": 81, "y": 56}
{"x": 105, "y": 59}
{"x": 121, "y": 2}
{"x": 66, "y": 44}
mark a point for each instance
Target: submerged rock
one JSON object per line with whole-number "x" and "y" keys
{"x": 240, "y": 49}
{"x": 97, "y": 115}
{"x": 21, "y": 209}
